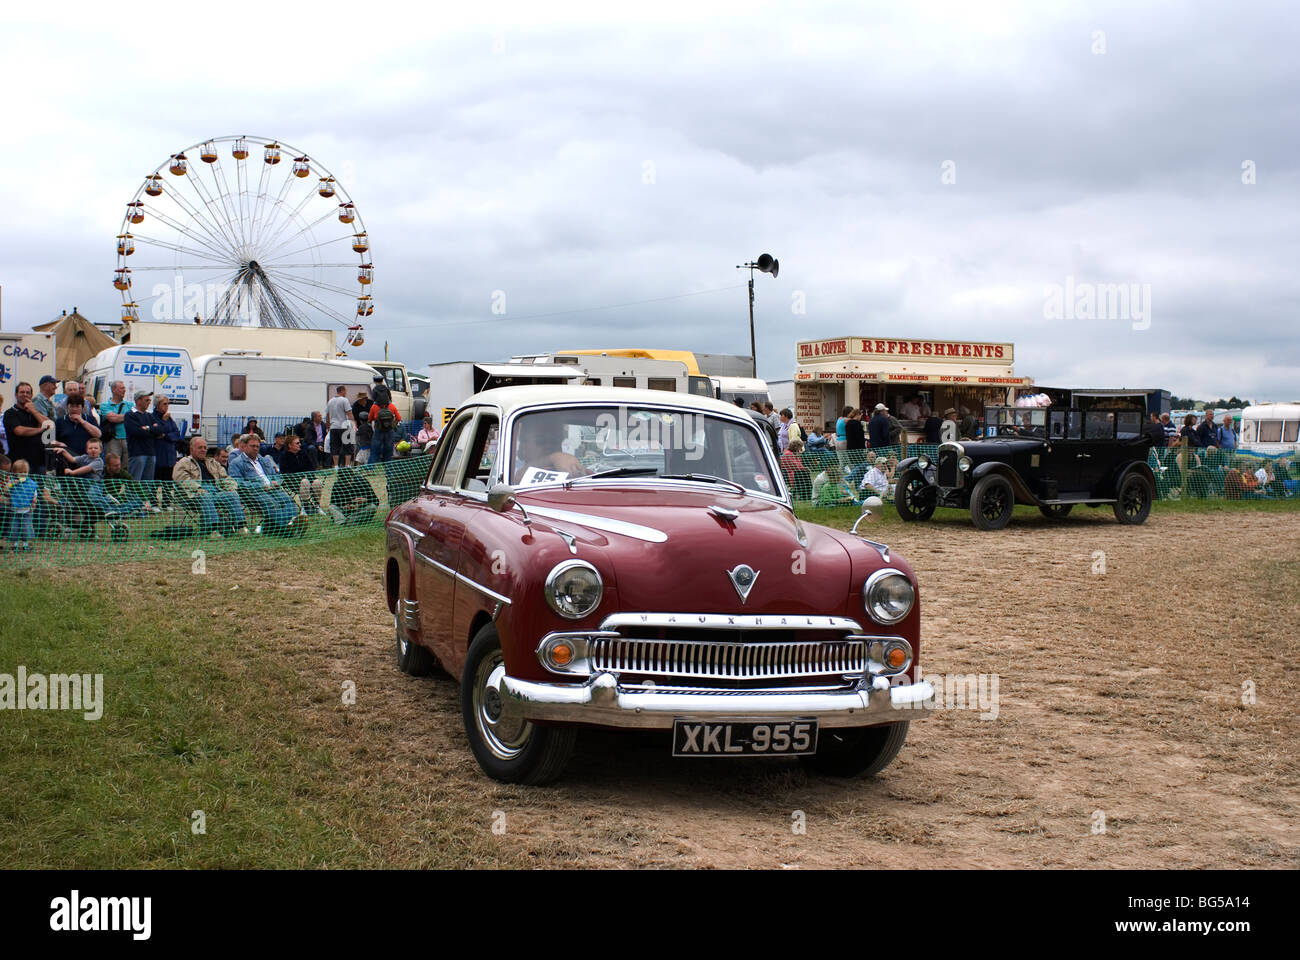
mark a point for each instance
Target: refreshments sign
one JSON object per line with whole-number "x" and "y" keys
{"x": 894, "y": 348}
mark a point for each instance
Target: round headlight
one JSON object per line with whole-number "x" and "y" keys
{"x": 573, "y": 589}
{"x": 888, "y": 596}
{"x": 964, "y": 464}
{"x": 922, "y": 461}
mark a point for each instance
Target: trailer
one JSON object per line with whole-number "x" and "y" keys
{"x": 24, "y": 358}
{"x": 450, "y": 384}
{"x": 639, "y": 373}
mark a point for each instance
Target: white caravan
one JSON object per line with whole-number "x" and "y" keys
{"x": 1270, "y": 429}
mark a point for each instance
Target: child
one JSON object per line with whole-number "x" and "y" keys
{"x": 22, "y": 499}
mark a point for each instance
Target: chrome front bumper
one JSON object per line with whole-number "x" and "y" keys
{"x": 601, "y": 701}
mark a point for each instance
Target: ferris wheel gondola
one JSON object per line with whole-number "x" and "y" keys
{"x": 245, "y": 243}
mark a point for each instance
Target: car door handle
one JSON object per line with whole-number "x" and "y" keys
{"x": 1083, "y": 456}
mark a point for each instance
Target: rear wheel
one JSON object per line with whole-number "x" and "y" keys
{"x": 1055, "y": 511}
{"x": 857, "y": 753}
{"x": 1134, "y": 503}
{"x": 509, "y": 749}
{"x": 991, "y": 502}
{"x": 914, "y": 499}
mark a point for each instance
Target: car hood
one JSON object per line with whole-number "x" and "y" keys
{"x": 994, "y": 448}
{"x": 671, "y": 553}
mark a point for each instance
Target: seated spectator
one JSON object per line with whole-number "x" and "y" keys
{"x": 816, "y": 441}
{"x": 1239, "y": 486}
{"x": 833, "y": 489}
{"x": 427, "y": 433}
{"x": 204, "y": 487}
{"x": 353, "y": 500}
{"x": 295, "y": 460}
{"x": 252, "y": 427}
{"x": 879, "y": 478}
{"x": 84, "y": 483}
{"x": 259, "y": 478}
{"x": 123, "y": 491}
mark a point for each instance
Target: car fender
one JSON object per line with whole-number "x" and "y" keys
{"x": 1121, "y": 472}
{"x": 905, "y": 464}
{"x": 1022, "y": 492}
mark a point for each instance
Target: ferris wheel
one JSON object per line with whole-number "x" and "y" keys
{"x": 245, "y": 231}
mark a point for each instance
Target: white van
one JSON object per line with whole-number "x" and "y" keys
{"x": 166, "y": 370}
{"x": 745, "y": 389}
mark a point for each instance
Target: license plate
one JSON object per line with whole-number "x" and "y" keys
{"x": 756, "y": 738}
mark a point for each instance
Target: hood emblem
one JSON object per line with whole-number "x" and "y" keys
{"x": 742, "y": 578}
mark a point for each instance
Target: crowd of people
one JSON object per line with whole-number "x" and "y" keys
{"x": 1202, "y": 460}
{"x": 65, "y": 466}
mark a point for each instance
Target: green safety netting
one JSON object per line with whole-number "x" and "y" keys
{"x": 78, "y": 520}
{"x": 834, "y": 478}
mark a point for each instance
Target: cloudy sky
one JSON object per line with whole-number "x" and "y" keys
{"x": 920, "y": 170}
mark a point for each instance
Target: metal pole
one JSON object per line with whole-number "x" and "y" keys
{"x": 753, "y": 353}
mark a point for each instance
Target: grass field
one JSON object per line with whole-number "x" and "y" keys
{"x": 225, "y": 689}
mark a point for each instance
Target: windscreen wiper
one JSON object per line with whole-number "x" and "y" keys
{"x": 616, "y": 472}
{"x": 704, "y": 478}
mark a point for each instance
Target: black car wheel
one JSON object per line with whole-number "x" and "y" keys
{"x": 1134, "y": 503}
{"x": 1055, "y": 511}
{"x": 991, "y": 502}
{"x": 857, "y": 753}
{"x": 509, "y": 749}
{"x": 914, "y": 499}
{"x": 411, "y": 657}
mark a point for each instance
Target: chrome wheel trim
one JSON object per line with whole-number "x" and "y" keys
{"x": 506, "y": 738}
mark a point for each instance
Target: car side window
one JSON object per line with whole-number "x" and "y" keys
{"x": 482, "y": 455}
{"x": 446, "y": 470}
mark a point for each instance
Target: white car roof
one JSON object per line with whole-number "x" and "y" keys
{"x": 510, "y": 399}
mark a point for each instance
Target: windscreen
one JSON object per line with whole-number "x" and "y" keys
{"x": 558, "y": 445}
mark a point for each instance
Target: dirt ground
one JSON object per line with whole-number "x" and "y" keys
{"x": 1121, "y": 738}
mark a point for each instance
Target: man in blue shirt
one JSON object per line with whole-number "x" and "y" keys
{"x": 259, "y": 479}
{"x": 1227, "y": 437}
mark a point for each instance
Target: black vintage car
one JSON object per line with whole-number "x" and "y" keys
{"x": 1049, "y": 457}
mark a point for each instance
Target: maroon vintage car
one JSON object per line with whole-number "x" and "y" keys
{"x": 586, "y": 556}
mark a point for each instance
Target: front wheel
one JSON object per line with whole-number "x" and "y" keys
{"x": 991, "y": 502}
{"x": 914, "y": 499}
{"x": 1134, "y": 503}
{"x": 509, "y": 749}
{"x": 862, "y": 752}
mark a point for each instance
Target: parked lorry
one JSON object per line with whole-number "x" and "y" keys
{"x": 24, "y": 357}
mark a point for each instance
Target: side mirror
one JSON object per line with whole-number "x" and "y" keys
{"x": 500, "y": 497}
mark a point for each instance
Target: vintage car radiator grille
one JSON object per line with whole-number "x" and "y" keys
{"x": 947, "y": 468}
{"x": 774, "y": 660}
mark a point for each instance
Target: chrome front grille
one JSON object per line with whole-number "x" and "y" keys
{"x": 729, "y": 660}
